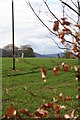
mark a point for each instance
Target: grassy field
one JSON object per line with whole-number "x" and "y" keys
{"x": 28, "y": 74}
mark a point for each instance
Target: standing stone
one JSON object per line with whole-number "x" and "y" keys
{"x": 22, "y": 55}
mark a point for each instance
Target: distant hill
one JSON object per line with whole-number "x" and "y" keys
{"x": 48, "y": 55}
{"x": 39, "y": 55}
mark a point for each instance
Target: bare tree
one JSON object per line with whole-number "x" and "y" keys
{"x": 64, "y": 28}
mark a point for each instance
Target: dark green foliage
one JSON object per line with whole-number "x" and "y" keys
{"x": 7, "y": 51}
{"x": 29, "y": 52}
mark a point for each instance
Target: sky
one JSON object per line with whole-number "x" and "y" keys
{"x": 28, "y": 29}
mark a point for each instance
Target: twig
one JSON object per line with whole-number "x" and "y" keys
{"x": 69, "y": 7}
{"x": 74, "y": 4}
{"x": 41, "y": 20}
{"x": 56, "y": 43}
{"x": 55, "y": 16}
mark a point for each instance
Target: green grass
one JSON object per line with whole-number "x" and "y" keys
{"x": 28, "y": 74}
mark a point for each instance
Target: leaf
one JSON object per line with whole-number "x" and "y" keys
{"x": 62, "y": 107}
{"x": 56, "y": 70}
{"x": 77, "y": 36}
{"x": 54, "y": 100}
{"x": 25, "y": 112}
{"x": 79, "y": 88}
{"x": 56, "y": 26}
{"x": 47, "y": 105}
{"x": 63, "y": 40}
{"x": 78, "y": 78}
{"x": 66, "y": 23}
{"x": 35, "y": 117}
{"x": 78, "y": 97}
{"x": 70, "y": 65}
{"x": 11, "y": 112}
{"x": 38, "y": 114}
{"x": 73, "y": 113}
{"x": 17, "y": 116}
{"x": 63, "y": 64}
{"x": 44, "y": 80}
{"x": 78, "y": 55}
{"x": 67, "y": 31}
{"x": 75, "y": 48}
{"x": 67, "y": 98}
{"x": 44, "y": 106}
{"x": 57, "y": 110}
{"x": 66, "y": 68}
{"x": 77, "y": 39}
{"x": 60, "y": 95}
{"x": 43, "y": 71}
{"x": 63, "y": 18}
{"x": 76, "y": 68}
{"x": 61, "y": 35}
{"x": 41, "y": 113}
{"x": 70, "y": 54}
{"x": 50, "y": 105}
{"x": 67, "y": 116}
{"x": 45, "y": 114}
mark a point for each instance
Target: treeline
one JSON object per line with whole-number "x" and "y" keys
{"x": 27, "y": 50}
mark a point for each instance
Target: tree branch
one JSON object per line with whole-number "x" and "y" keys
{"x": 57, "y": 43}
{"x": 51, "y": 12}
{"x": 55, "y": 16}
{"x": 70, "y": 7}
{"x": 40, "y": 19}
{"x": 71, "y": 18}
{"x": 74, "y": 4}
{"x": 52, "y": 33}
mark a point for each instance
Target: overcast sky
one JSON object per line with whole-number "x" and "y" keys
{"x": 28, "y": 29}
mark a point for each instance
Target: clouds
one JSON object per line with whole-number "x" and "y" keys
{"x": 28, "y": 29}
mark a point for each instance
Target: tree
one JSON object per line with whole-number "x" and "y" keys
{"x": 9, "y": 48}
{"x": 27, "y": 50}
{"x": 64, "y": 28}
